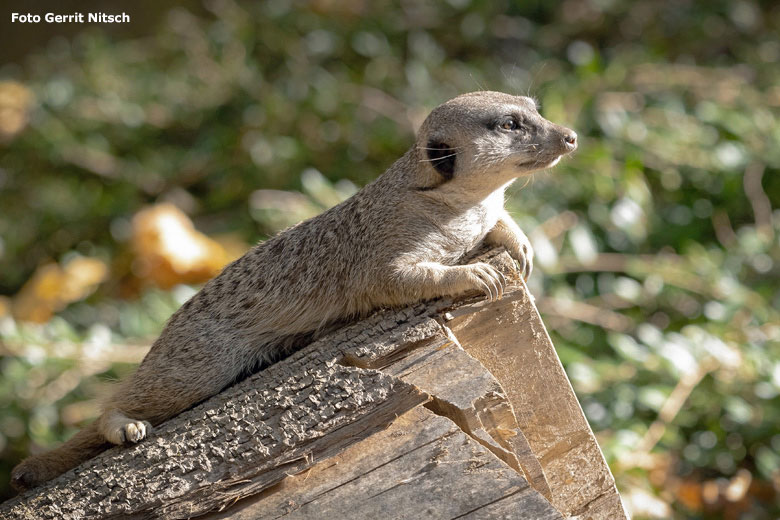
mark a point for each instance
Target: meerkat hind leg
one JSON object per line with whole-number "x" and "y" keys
{"x": 118, "y": 428}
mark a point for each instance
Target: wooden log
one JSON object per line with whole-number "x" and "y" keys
{"x": 406, "y": 414}
{"x": 510, "y": 340}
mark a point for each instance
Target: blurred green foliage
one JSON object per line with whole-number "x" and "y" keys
{"x": 657, "y": 243}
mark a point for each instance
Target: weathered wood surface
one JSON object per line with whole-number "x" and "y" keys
{"x": 422, "y": 466}
{"x": 441, "y": 410}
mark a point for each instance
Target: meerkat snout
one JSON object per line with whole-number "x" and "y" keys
{"x": 570, "y": 139}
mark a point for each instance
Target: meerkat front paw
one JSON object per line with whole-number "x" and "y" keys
{"x": 507, "y": 234}
{"x": 486, "y": 278}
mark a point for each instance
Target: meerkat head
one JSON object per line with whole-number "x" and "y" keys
{"x": 490, "y": 137}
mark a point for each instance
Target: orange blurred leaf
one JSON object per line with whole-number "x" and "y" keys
{"x": 53, "y": 286}
{"x": 689, "y": 493}
{"x": 169, "y": 250}
{"x": 15, "y": 102}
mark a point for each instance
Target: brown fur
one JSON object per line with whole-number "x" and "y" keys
{"x": 393, "y": 243}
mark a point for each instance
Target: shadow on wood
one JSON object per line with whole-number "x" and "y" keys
{"x": 441, "y": 410}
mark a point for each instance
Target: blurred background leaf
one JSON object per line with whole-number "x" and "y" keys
{"x": 217, "y": 124}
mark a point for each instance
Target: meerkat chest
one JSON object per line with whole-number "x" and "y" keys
{"x": 469, "y": 228}
{"x": 480, "y": 219}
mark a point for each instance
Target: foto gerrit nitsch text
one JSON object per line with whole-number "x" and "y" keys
{"x": 70, "y": 18}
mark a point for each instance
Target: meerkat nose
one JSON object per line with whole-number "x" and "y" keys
{"x": 570, "y": 139}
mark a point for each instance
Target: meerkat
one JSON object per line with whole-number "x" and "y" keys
{"x": 395, "y": 242}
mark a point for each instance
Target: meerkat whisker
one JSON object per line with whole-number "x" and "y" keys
{"x": 438, "y": 149}
{"x": 438, "y": 158}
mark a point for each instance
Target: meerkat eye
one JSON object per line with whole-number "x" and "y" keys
{"x": 508, "y": 124}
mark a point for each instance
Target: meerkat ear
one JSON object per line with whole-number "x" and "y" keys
{"x": 442, "y": 157}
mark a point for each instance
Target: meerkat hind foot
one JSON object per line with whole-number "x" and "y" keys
{"x": 122, "y": 429}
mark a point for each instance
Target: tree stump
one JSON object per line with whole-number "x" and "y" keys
{"x": 446, "y": 409}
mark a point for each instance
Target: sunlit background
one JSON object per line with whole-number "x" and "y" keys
{"x": 135, "y": 161}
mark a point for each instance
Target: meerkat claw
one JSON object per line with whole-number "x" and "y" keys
{"x": 486, "y": 289}
{"x": 491, "y": 281}
{"x": 521, "y": 263}
{"x": 498, "y": 292}
{"x": 503, "y": 284}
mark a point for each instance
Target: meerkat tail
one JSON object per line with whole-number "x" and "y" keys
{"x": 37, "y": 469}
